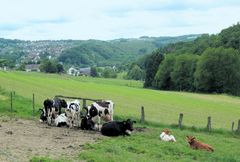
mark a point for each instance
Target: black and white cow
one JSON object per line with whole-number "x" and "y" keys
{"x": 43, "y": 115}
{"x": 73, "y": 113}
{"x": 61, "y": 120}
{"x": 53, "y": 108}
{"x": 87, "y": 123}
{"x": 101, "y": 110}
{"x": 116, "y": 128}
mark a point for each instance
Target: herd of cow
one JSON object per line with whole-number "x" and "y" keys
{"x": 87, "y": 118}
{"x": 91, "y": 118}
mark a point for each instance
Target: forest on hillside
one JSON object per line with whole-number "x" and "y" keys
{"x": 211, "y": 64}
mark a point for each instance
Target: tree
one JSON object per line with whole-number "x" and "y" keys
{"x": 136, "y": 73}
{"x": 48, "y": 66}
{"x": 109, "y": 73}
{"x": 151, "y": 65}
{"x": 183, "y": 72}
{"x": 59, "y": 68}
{"x": 162, "y": 79}
{"x": 218, "y": 70}
{"x": 93, "y": 72}
{"x": 22, "y": 67}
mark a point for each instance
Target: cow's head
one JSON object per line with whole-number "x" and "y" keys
{"x": 166, "y": 131}
{"x": 63, "y": 103}
{"x": 93, "y": 111}
{"x": 48, "y": 103}
{"x": 74, "y": 106}
{"x": 190, "y": 139}
{"x": 128, "y": 124}
{"x": 43, "y": 115}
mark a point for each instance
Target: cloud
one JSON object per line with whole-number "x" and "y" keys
{"x": 79, "y": 19}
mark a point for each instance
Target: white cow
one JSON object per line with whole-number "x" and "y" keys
{"x": 73, "y": 113}
{"x": 166, "y": 136}
{"x": 61, "y": 120}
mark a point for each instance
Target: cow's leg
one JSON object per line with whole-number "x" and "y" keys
{"x": 111, "y": 113}
{"x": 99, "y": 120}
{"x": 49, "y": 117}
{"x": 59, "y": 110}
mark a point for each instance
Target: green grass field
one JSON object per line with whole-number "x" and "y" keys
{"x": 160, "y": 106}
{"x": 162, "y": 110}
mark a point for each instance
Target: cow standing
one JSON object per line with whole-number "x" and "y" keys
{"x": 101, "y": 110}
{"x": 53, "y": 108}
{"x": 73, "y": 113}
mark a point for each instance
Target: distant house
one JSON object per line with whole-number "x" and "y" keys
{"x": 4, "y": 68}
{"x": 32, "y": 67}
{"x": 85, "y": 71}
{"x": 73, "y": 71}
{"x": 82, "y": 71}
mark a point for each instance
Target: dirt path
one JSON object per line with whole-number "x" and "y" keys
{"x": 20, "y": 140}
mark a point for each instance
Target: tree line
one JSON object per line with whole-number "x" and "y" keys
{"x": 209, "y": 64}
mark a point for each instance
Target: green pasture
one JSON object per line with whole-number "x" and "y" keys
{"x": 160, "y": 106}
{"x": 146, "y": 146}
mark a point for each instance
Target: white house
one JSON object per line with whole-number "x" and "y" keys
{"x": 73, "y": 71}
{"x": 32, "y": 67}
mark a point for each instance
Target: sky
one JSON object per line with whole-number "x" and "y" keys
{"x": 112, "y": 19}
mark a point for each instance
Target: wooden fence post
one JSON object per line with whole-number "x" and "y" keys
{"x": 84, "y": 103}
{"x": 180, "y": 120}
{"x": 142, "y": 120}
{"x": 238, "y": 128}
{"x": 209, "y": 124}
{"x": 11, "y": 102}
{"x": 33, "y": 104}
{"x": 232, "y": 126}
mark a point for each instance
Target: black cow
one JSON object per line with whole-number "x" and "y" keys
{"x": 58, "y": 104}
{"x": 116, "y": 128}
{"x": 87, "y": 123}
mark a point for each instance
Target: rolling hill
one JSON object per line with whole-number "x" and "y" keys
{"x": 84, "y": 52}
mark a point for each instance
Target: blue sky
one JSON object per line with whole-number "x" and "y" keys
{"x": 111, "y": 19}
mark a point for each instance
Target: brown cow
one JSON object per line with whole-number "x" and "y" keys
{"x": 194, "y": 144}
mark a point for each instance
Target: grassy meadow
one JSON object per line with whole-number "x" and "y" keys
{"x": 162, "y": 109}
{"x": 146, "y": 147}
{"x": 160, "y": 106}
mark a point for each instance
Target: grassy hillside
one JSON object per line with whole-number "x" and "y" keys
{"x": 160, "y": 106}
{"x": 85, "y": 52}
{"x": 146, "y": 146}
{"x": 116, "y": 52}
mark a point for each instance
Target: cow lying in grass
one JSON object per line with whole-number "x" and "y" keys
{"x": 194, "y": 144}
{"x": 61, "y": 120}
{"x": 101, "y": 110}
{"x": 116, "y": 128}
{"x": 73, "y": 113}
{"x": 166, "y": 136}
